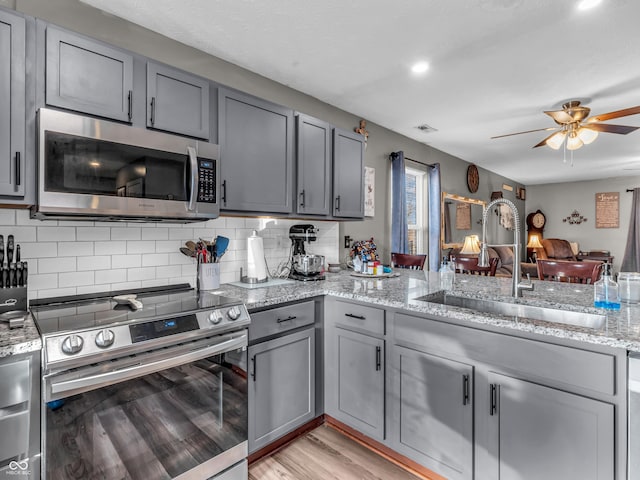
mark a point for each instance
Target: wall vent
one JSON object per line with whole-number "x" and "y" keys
{"x": 426, "y": 128}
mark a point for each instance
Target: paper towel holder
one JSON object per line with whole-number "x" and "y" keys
{"x": 245, "y": 279}
{"x": 254, "y": 244}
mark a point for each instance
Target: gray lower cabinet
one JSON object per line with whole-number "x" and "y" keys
{"x": 256, "y": 153}
{"x": 348, "y": 174}
{"x": 281, "y": 386}
{"x": 537, "y": 432}
{"x": 12, "y": 105}
{"x": 88, "y": 76}
{"x": 313, "y": 144}
{"x": 432, "y": 411}
{"x": 356, "y": 376}
{"x": 177, "y": 101}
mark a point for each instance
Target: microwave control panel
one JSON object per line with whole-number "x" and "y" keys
{"x": 206, "y": 181}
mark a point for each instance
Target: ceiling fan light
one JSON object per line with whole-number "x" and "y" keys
{"x": 574, "y": 142}
{"x": 587, "y": 135}
{"x": 555, "y": 140}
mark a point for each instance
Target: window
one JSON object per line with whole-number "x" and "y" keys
{"x": 415, "y": 183}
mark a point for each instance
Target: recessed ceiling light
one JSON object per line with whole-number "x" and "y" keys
{"x": 588, "y": 4}
{"x": 420, "y": 67}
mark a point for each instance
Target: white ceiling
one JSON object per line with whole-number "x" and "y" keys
{"x": 495, "y": 65}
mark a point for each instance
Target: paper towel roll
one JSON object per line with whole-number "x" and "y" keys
{"x": 256, "y": 265}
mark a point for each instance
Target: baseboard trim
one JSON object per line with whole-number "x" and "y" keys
{"x": 384, "y": 451}
{"x": 283, "y": 441}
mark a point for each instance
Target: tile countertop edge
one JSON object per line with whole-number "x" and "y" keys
{"x": 623, "y": 328}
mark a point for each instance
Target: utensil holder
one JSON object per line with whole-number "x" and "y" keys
{"x": 208, "y": 276}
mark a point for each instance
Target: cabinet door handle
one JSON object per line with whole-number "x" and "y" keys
{"x": 153, "y": 111}
{"x": 338, "y": 203}
{"x": 493, "y": 399}
{"x": 302, "y": 198}
{"x": 18, "y": 168}
{"x": 378, "y": 358}
{"x": 130, "y": 105}
{"x": 289, "y": 318}
{"x": 224, "y": 192}
{"x": 253, "y": 364}
{"x": 351, "y": 315}
{"x": 465, "y": 390}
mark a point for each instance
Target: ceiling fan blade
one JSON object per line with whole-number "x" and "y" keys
{"x": 562, "y": 133}
{"x": 528, "y": 131}
{"x": 560, "y": 116}
{"x": 605, "y": 127}
{"x": 617, "y": 114}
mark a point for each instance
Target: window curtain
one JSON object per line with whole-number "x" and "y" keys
{"x": 399, "y": 229}
{"x": 434, "y": 216}
{"x": 631, "y": 259}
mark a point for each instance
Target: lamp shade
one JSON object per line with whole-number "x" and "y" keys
{"x": 471, "y": 245}
{"x": 587, "y": 135}
{"x": 534, "y": 242}
{"x": 555, "y": 140}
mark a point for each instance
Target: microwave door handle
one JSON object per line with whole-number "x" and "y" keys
{"x": 193, "y": 161}
{"x": 63, "y": 389}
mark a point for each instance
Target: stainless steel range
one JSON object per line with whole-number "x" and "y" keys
{"x": 144, "y": 386}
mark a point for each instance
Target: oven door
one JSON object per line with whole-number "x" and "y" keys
{"x": 94, "y": 168}
{"x": 180, "y": 412}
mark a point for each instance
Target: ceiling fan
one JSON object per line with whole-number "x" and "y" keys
{"x": 577, "y": 129}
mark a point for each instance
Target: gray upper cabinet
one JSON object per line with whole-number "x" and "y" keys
{"x": 177, "y": 102}
{"x": 281, "y": 386}
{"x": 432, "y": 415}
{"x": 313, "y": 144}
{"x": 12, "y": 105}
{"x": 348, "y": 174}
{"x": 88, "y": 76}
{"x": 256, "y": 153}
{"x": 538, "y": 432}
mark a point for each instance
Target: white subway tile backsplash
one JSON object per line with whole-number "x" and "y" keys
{"x": 56, "y": 234}
{"x": 76, "y": 279}
{"x": 126, "y": 261}
{"x": 94, "y": 262}
{"x": 93, "y": 234}
{"x": 68, "y": 258}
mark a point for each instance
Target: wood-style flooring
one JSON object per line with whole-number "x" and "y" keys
{"x": 326, "y": 454}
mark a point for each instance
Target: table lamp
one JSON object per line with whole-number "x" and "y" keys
{"x": 534, "y": 243}
{"x": 471, "y": 245}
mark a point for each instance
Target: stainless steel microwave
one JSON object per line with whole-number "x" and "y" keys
{"x": 100, "y": 170}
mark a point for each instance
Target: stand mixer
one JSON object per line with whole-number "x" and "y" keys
{"x": 304, "y": 267}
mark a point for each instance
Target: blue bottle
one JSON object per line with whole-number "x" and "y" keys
{"x": 605, "y": 291}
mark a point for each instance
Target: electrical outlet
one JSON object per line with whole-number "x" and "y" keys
{"x": 347, "y": 241}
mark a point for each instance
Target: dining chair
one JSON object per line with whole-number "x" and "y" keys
{"x": 405, "y": 260}
{"x": 569, "y": 271}
{"x": 470, "y": 265}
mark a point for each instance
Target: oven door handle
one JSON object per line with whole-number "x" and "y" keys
{"x": 67, "y": 388}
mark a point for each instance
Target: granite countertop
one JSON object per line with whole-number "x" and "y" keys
{"x": 622, "y": 327}
{"x": 19, "y": 340}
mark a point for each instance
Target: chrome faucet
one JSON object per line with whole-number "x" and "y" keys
{"x": 483, "y": 259}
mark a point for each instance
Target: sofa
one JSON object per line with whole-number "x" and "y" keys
{"x": 556, "y": 249}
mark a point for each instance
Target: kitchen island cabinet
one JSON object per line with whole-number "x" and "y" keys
{"x": 12, "y": 105}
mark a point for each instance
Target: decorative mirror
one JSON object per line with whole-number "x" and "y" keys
{"x": 461, "y": 216}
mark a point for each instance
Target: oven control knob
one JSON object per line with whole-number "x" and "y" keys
{"x": 105, "y": 338}
{"x": 72, "y": 344}
{"x": 215, "y": 317}
{"x": 234, "y": 313}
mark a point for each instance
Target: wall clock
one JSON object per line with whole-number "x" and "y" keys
{"x": 473, "y": 179}
{"x": 536, "y": 222}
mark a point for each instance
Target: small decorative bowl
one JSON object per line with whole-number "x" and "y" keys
{"x": 334, "y": 267}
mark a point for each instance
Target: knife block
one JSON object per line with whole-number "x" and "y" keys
{"x": 13, "y": 298}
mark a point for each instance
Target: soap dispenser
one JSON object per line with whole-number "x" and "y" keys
{"x": 605, "y": 290}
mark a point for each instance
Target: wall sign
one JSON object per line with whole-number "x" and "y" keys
{"x": 369, "y": 191}
{"x": 608, "y": 210}
{"x": 463, "y": 216}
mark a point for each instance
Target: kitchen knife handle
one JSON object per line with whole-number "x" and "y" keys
{"x": 17, "y": 253}
{"x": 19, "y": 274}
{"x": 1, "y": 276}
{"x": 5, "y": 277}
{"x": 13, "y": 281}
{"x": 18, "y": 164}
{"x": 25, "y": 271}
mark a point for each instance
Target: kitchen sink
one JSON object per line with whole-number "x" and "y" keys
{"x": 579, "y": 319}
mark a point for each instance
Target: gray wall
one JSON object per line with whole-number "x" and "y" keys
{"x": 559, "y": 200}
{"x": 89, "y": 21}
